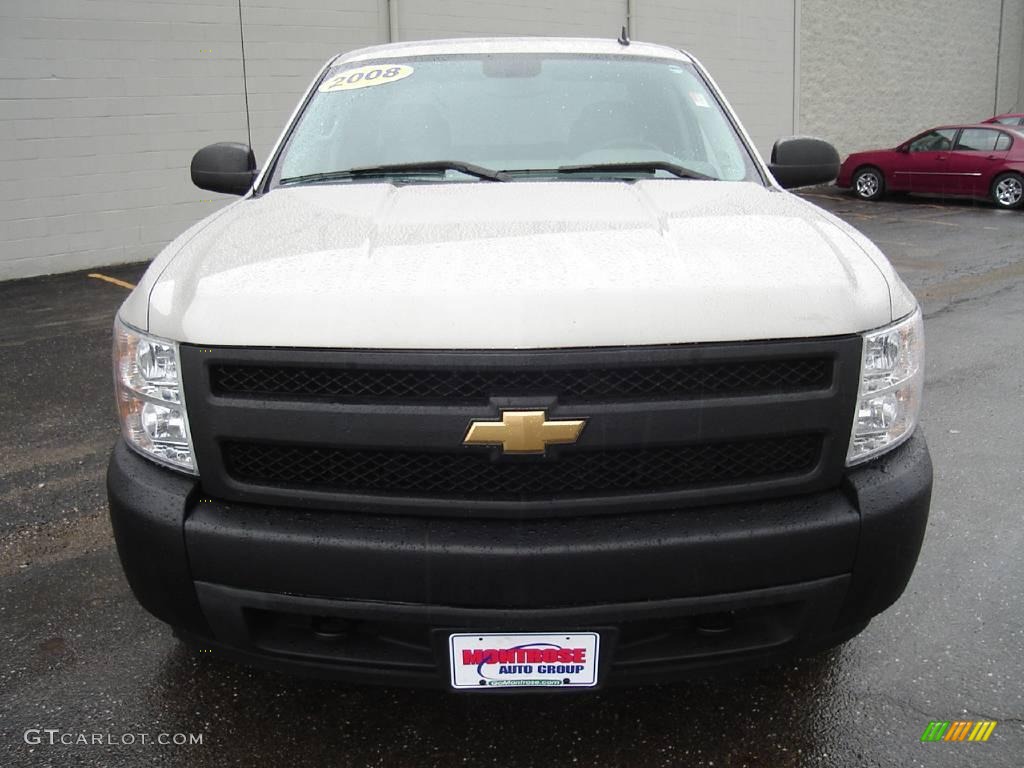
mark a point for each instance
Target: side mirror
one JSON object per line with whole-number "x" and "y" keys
{"x": 800, "y": 161}
{"x": 226, "y": 167}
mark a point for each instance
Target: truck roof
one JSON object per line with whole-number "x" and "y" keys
{"x": 479, "y": 45}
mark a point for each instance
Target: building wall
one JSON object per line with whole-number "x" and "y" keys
{"x": 286, "y": 44}
{"x": 425, "y": 19}
{"x": 99, "y": 104}
{"x": 1011, "y": 59}
{"x": 1020, "y": 71}
{"x": 748, "y": 47}
{"x": 103, "y": 102}
{"x": 876, "y": 71}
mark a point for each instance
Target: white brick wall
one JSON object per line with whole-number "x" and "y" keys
{"x": 103, "y": 102}
{"x": 286, "y": 43}
{"x": 747, "y": 47}
{"x": 1008, "y": 95}
{"x": 425, "y": 19}
{"x": 876, "y": 71}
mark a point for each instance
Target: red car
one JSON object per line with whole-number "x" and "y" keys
{"x": 983, "y": 161}
{"x": 1014, "y": 118}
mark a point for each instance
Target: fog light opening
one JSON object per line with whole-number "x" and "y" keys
{"x": 720, "y": 623}
{"x": 330, "y": 627}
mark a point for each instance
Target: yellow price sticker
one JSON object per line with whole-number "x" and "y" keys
{"x": 365, "y": 77}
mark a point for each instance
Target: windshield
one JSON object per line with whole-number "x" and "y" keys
{"x": 526, "y": 114}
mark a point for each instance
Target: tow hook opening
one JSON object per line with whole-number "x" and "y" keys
{"x": 719, "y": 623}
{"x": 330, "y": 627}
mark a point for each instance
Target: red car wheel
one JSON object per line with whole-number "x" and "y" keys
{"x": 868, "y": 183}
{"x": 1008, "y": 190}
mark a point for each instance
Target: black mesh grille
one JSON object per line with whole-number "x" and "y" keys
{"x": 655, "y": 382}
{"x": 471, "y": 474}
{"x": 380, "y": 430}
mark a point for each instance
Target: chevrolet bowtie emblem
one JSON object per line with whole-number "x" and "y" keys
{"x": 523, "y": 432}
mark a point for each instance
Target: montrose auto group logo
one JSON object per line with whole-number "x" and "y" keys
{"x": 524, "y": 661}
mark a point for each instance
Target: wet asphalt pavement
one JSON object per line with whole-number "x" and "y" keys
{"x": 77, "y": 654}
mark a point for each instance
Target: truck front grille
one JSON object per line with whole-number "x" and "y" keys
{"x": 379, "y": 431}
{"x": 474, "y": 475}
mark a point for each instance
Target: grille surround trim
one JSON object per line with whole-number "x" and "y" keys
{"x": 440, "y": 427}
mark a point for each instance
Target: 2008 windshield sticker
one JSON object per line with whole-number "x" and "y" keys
{"x": 365, "y": 77}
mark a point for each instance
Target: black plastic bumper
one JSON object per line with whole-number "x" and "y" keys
{"x": 373, "y": 597}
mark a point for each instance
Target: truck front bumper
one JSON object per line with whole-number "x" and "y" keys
{"x": 372, "y": 598}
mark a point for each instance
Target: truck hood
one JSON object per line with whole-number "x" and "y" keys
{"x": 515, "y": 265}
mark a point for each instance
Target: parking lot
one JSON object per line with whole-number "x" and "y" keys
{"x": 81, "y": 657}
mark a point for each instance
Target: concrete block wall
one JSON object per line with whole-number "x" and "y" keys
{"x": 103, "y": 103}
{"x": 875, "y": 72}
{"x": 425, "y": 19}
{"x": 1010, "y": 85}
{"x": 747, "y": 47}
{"x": 100, "y": 101}
{"x": 286, "y": 44}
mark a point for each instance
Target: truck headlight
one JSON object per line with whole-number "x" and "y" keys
{"x": 149, "y": 398}
{"x": 891, "y": 381}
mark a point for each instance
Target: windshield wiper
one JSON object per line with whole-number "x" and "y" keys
{"x": 640, "y": 167}
{"x": 368, "y": 171}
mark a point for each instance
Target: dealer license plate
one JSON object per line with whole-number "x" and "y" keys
{"x": 530, "y": 660}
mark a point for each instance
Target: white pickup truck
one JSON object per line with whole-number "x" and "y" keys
{"x": 515, "y": 366}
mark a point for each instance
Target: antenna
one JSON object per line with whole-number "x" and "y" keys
{"x": 245, "y": 79}
{"x": 624, "y": 36}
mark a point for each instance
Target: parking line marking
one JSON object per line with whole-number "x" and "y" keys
{"x": 113, "y": 280}
{"x": 934, "y": 221}
{"x": 825, "y": 197}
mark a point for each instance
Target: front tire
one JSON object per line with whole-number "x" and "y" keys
{"x": 868, "y": 183}
{"x": 1008, "y": 191}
